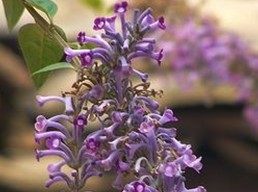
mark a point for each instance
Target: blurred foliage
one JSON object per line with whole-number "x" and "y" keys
{"x": 13, "y": 11}
{"x": 94, "y": 4}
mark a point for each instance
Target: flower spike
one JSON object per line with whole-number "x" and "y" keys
{"x": 131, "y": 135}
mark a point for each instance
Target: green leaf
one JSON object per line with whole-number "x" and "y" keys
{"x": 56, "y": 66}
{"x": 13, "y": 10}
{"x": 39, "y": 50}
{"x": 47, "y": 6}
{"x": 95, "y": 4}
{"x": 61, "y": 32}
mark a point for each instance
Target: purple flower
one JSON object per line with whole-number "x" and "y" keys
{"x": 86, "y": 59}
{"x": 151, "y": 104}
{"x": 149, "y": 19}
{"x": 167, "y": 117}
{"x": 146, "y": 127}
{"x": 162, "y": 23}
{"x": 131, "y": 135}
{"x": 142, "y": 76}
{"x": 190, "y": 160}
{"x": 96, "y": 92}
{"x": 121, "y": 7}
{"x": 170, "y": 169}
{"x": 92, "y": 145}
{"x": 124, "y": 67}
{"x": 40, "y": 124}
{"x": 201, "y": 51}
{"x": 99, "y": 23}
{"x": 53, "y": 143}
{"x": 43, "y": 99}
{"x": 49, "y": 134}
{"x": 56, "y": 167}
{"x": 135, "y": 187}
{"x": 118, "y": 117}
{"x": 111, "y": 22}
{"x": 138, "y": 186}
{"x": 80, "y": 121}
{"x": 80, "y": 38}
{"x": 51, "y": 152}
{"x": 109, "y": 162}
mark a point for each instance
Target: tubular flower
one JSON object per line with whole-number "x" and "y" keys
{"x": 132, "y": 135}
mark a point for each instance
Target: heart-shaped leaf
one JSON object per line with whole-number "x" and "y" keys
{"x": 13, "y": 10}
{"x": 39, "y": 50}
{"x": 47, "y": 6}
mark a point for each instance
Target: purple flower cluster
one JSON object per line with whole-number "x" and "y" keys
{"x": 133, "y": 137}
{"x": 199, "y": 50}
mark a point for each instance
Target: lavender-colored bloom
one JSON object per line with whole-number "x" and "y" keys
{"x": 99, "y": 23}
{"x": 81, "y": 37}
{"x": 146, "y": 127}
{"x": 53, "y": 143}
{"x": 149, "y": 19}
{"x": 92, "y": 145}
{"x": 167, "y": 117}
{"x": 133, "y": 137}
{"x": 202, "y": 52}
{"x": 109, "y": 162}
{"x": 86, "y": 59}
{"x": 49, "y": 134}
{"x": 159, "y": 23}
{"x": 43, "y": 99}
{"x": 80, "y": 121}
{"x": 138, "y": 186}
{"x": 162, "y": 23}
{"x": 121, "y": 7}
{"x": 117, "y": 117}
{"x": 40, "y": 124}
{"x": 170, "y": 169}
{"x": 111, "y": 22}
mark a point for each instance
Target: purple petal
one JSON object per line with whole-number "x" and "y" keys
{"x": 92, "y": 145}
{"x": 86, "y": 59}
{"x": 162, "y": 23}
{"x": 80, "y": 121}
{"x": 53, "y": 143}
{"x": 81, "y": 38}
{"x": 121, "y": 7}
{"x": 40, "y": 124}
{"x": 99, "y": 23}
{"x": 168, "y": 116}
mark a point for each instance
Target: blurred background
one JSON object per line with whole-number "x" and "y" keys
{"x": 210, "y": 108}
